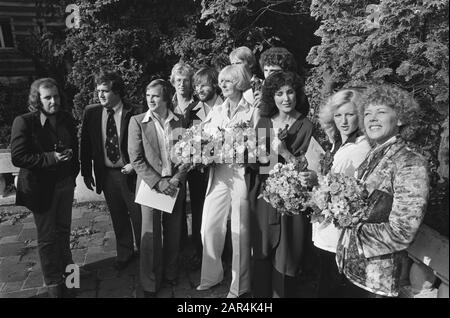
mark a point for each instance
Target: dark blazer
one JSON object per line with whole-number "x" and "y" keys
{"x": 91, "y": 148}
{"x": 31, "y": 152}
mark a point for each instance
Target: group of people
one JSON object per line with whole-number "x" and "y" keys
{"x": 122, "y": 146}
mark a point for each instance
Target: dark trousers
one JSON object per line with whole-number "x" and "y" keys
{"x": 53, "y": 233}
{"x": 267, "y": 282}
{"x": 198, "y": 182}
{"x": 125, "y": 213}
{"x": 160, "y": 244}
{"x": 331, "y": 282}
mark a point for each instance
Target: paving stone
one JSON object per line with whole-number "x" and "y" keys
{"x": 102, "y": 226}
{"x": 30, "y": 225}
{"x": 77, "y": 213}
{"x": 28, "y": 235}
{"x": 79, "y": 255}
{"x": 8, "y": 230}
{"x": 12, "y": 270}
{"x": 33, "y": 280}
{"x": 119, "y": 287}
{"x": 110, "y": 235}
{"x": 11, "y": 249}
{"x": 101, "y": 218}
{"x": 20, "y": 294}
{"x": 12, "y": 287}
{"x": 83, "y": 222}
{"x": 109, "y": 244}
{"x": 29, "y": 219}
{"x": 98, "y": 255}
{"x": 9, "y": 239}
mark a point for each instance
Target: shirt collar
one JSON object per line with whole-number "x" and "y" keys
{"x": 219, "y": 101}
{"x": 149, "y": 114}
{"x": 116, "y": 108}
{"x": 242, "y": 104}
{"x": 43, "y": 118}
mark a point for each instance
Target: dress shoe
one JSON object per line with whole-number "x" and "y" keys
{"x": 206, "y": 287}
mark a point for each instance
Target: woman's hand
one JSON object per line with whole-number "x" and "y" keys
{"x": 127, "y": 169}
{"x": 308, "y": 178}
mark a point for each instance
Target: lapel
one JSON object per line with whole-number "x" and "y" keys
{"x": 97, "y": 128}
{"x": 126, "y": 110}
{"x": 150, "y": 136}
{"x": 36, "y": 128}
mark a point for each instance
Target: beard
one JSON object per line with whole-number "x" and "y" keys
{"x": 207, "y": 97}
{"x": 47, "y": 113}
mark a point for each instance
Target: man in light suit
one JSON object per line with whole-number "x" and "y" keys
{"x": 150, "y": 137}
{"x": 104, "y": 137}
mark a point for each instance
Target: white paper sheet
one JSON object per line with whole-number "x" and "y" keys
{"x": 313, "y": 155}
{"x": 154, "y": 199}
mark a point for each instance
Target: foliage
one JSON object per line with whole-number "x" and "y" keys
{"x": 13, "y": 102}
{"x": 409, "y": 48}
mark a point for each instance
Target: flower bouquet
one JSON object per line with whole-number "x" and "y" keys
{"x": 283, "y": 189}
{"x": 339, "y": 199}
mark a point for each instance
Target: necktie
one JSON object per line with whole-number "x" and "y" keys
{"x": 112, "y": 139}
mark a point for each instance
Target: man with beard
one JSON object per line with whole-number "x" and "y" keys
{"x": 44, "y": 145}
{"x": 206, "y": 88}
{"x": 104, "y": 143}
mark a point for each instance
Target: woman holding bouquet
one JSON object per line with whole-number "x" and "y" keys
{"x": 339, "y": 119}
{"x": 227, "y": 192}
{"x": 278, "y": 240}
{"x": 370, "y": 254}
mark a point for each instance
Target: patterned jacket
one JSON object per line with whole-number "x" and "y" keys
{"x": 370, "y": 255}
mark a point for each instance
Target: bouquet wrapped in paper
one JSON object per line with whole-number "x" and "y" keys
{"x": 339, "y": 199}
{"x": 283, "y": 190}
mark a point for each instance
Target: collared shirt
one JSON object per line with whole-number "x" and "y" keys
{"x": 221, "y": 117}
{"x": 163, "y": 133}
{"x": 44, "y": 118}
{"x": 118, "y": 120}
{"x": 204, "y": 109}
{"x": 177, "y": 109}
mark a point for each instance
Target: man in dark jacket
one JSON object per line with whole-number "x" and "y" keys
{"x": 44, "y": 145}
{"x": 104, "y": 138}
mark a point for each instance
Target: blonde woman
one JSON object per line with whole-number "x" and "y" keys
{"x": 227, "y": 192}
{"x": 339, "y": 118}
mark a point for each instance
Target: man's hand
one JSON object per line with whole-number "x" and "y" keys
{"x": 127, "y": 169}
{"x": 89, "y": 182}
{"x": 308, "y": 178}
{"x": 257, "y": 99}
{"x": 165, "y": 186}
{"x": 63, "y": 156}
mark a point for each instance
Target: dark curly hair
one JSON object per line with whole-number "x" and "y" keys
{"x": 278, "y": 56}
{"x": 401, "y": 101}
{"x": 273, "y": 83}
{"x": 117, "y": 84}
{"x": 34, "y": 97}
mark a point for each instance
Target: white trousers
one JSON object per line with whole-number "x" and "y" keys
{"x": 228, "y": 190}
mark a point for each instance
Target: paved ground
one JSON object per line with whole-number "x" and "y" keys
{"x": 93, "y": 246}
